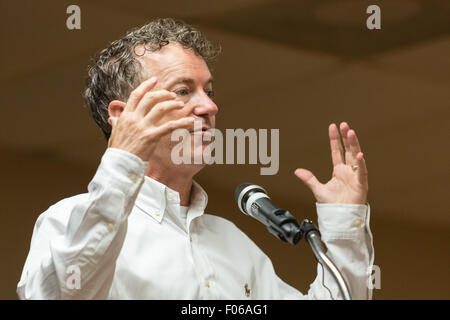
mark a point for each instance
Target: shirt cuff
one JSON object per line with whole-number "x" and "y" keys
{"x": 342, "y": 221}
{"x": 121, "y": 169}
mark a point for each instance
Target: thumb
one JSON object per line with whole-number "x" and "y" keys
{"x": 112, "y": 121}
{"x": 309, "y": 179}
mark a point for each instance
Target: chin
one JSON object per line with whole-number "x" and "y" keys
{"x": 190, "y": 170}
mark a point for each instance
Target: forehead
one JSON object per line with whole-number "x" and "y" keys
{"x": 173, "y": 61}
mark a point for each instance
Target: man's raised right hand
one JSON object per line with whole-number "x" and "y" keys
{"x": 139, "y": 127}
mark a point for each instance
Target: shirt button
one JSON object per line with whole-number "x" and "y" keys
{"x": 110, "y": 227}
{"x": 207, "y": 283}
{"x": 157, "y": 213}
{"x": 133, "y": 177}
{"x": 357, "y": 223}
{"x": 190, "y": 238}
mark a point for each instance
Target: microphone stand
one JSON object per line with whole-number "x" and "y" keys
{"x": 312, "y": 235}
{"x": 284, "y": 226}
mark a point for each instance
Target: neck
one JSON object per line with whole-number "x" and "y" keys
{"x": 174, "y": 179}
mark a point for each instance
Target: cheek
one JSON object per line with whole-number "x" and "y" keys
{"x": 174, "y": 114}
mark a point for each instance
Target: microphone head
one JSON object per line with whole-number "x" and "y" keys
{"x": 239, "y": 189}
{"x": 242, "y": 193}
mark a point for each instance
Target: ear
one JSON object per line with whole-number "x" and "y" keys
{"x": 115, "y": 108}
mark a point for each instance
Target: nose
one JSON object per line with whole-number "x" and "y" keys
{"x": 204, "y": 106}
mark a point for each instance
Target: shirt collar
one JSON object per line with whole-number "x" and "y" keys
{"x": 154, "y": 197}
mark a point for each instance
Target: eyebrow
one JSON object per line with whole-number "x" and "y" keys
{"x": 189, "y": 81}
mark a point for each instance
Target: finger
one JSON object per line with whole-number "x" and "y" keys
{"x": 337, "y": 151}
{"x": 162, "y": 108}
{"x": 354, "y": 144}
{"x": 362, "y": 169}
{"x": 167, "y": 127}
{"x": 344, "y": 127}
{"x": 112, "y": 121}
{"x": 308, "y": 179}
{"x": 137, "y": 94}
{"x": 150, "y": 99}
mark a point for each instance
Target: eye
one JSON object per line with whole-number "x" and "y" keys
{"x": 210, "y": 93}
{"x": 182, "y": 92}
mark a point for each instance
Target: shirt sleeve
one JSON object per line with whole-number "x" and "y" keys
{"x": 346, "y": 233}
{"x": 74, "y": 257}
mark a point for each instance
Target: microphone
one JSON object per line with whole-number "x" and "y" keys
{"x": 253, "y": 200}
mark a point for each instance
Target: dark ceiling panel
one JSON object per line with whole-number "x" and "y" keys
{"x": 338, "y": 27}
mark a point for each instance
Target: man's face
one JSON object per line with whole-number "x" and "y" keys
{"x": 181, "y": 71}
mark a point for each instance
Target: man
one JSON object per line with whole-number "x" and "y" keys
{"x": 141, "y": 232}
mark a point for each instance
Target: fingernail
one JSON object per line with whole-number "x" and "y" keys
{"x": 152, "y": 79}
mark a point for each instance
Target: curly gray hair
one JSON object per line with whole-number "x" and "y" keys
{"x": 116, "y": 71}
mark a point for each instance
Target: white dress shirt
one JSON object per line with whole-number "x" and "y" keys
{"x": 128, "y": 238}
